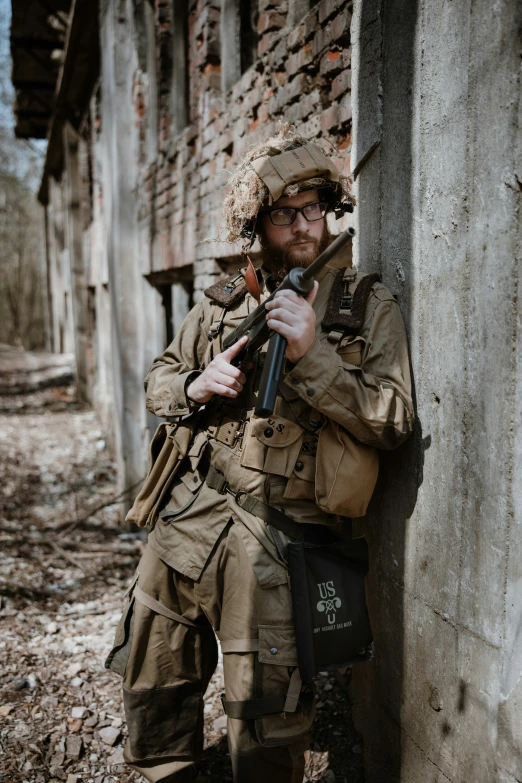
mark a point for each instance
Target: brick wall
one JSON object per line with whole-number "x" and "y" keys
{"x": 302, "y": 75}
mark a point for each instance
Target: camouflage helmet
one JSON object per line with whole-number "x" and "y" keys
{"x": 281, "y": 166}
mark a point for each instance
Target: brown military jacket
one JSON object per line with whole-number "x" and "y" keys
{"x": 361, "y": 383}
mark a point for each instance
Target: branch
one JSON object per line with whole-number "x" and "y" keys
{"x": 116, "y": 499}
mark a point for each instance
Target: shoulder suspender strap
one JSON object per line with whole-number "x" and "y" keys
{"x": 347, "y": 303}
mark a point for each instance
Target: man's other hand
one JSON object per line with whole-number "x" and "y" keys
{"x": 220, "y": 377}
{"x": 293, "y": 317}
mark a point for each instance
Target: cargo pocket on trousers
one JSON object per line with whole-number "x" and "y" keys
{"x": 168, "y": 670}
{"x": 119, "y": 655}
{"x": 276, "y": 672}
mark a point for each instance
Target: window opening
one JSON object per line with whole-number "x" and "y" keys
{"x": 180, "y": 69}
{"x": 248, "y": 18}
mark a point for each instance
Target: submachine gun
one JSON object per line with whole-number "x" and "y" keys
{"x": 254, "y": 325}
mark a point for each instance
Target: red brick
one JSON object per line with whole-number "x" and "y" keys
{"x": 295, "y": 88}
{"x": 270, "y": 20}
{"x": 341, "y": 84}
{"x": 340, "y": 27}
{"x": 277, "y": 58}
{"x": 326, "y": 9}
{"x": 330, "y": 118}
{"x": 299, "y": 60}
{"x": 296, "y": 38}
{"x": 345, "y": 110}
{"x": 310, "y": 24}
{"x": 321, "y": 41}
{"x": 344, "y": 142}
{"x": 331, "y": 63}
{"x": 265, "y": 44}
{"x": 263, "y": 113}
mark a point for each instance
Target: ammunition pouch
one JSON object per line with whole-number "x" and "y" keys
{"x": 168, "y": 447}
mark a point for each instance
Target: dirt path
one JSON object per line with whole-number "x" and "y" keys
{"x": 61, "y": 582}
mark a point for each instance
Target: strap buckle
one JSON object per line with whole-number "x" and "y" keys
{"x": 223, "y": 487}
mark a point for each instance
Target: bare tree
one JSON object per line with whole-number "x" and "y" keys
{"x": 21, "y": 290}
{"x": 22, "y": 286}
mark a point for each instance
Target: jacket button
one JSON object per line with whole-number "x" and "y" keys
{"x": 296, "y": 379}
{"x": 273, "y": 650}
{"x": 195, "y": 479}
{"x": 310, "y": 392}
{"x": 299, "y": 466}
{"x": 170, "y": 407}
{"x": 314, "y": 423}
{"x": 269, "y": 432}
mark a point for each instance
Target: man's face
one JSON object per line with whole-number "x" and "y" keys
{"x": 285, "y": 247}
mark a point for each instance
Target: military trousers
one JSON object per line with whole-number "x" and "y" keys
{"x": 166, "y": 651}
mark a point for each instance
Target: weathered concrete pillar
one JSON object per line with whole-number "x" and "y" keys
{"x": 120, "y": 182}
{"x": 437, "y": 155}
{"x": 230, "y": 44}
{"x": 74, "y": 235}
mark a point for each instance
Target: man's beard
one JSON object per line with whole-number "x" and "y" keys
{"x": 279, "y": 260}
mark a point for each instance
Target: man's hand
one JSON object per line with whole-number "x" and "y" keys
{"x": 220, "y": 377}
{"x": 293, "y": 317}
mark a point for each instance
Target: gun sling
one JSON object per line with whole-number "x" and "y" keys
{"x": 313, "y": 534}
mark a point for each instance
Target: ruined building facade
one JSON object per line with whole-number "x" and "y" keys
{"x": 147, "y": 107}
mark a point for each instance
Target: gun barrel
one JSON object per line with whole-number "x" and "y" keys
{"x": 326, "y": 255}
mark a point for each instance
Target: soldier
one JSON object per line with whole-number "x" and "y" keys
{"x": 211, "y": 566}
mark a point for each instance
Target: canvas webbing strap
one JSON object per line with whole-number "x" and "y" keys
{"x": 294, "y": 691}
{"x": 254, "y": 708}
{"x": 160, "y": 608}
{"x": 313, "y": 534}
{"x": 269, "y": 514}
{"x": 266, "y": 705}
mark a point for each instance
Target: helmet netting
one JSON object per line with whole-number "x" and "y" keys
{"x": 247, "y": 191}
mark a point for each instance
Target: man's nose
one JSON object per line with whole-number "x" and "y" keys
{"x": 300, "y": 223}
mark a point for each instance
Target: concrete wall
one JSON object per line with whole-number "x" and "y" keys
{"x": 437, "y": 155}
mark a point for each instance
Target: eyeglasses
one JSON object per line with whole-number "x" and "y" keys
{"x": 285, "y": 216}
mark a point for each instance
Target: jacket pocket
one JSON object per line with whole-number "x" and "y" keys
{"x": 346, "y": 472}
{"x": 351, "y": 350}
{"x": 272, "y": 445}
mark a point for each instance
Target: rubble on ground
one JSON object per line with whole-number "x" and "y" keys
{"x": 65, "y": 565}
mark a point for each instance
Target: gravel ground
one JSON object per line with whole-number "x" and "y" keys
{"x": 64, "y": 567}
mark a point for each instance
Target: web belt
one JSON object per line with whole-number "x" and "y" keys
{"x": 309, "y": 533}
